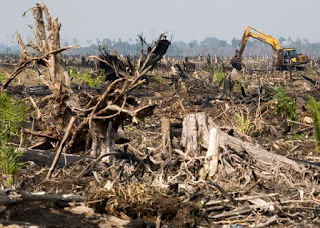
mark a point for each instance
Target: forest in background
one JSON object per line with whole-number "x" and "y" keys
{"x": 210, "y": 45}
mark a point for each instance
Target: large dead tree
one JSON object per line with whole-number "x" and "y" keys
{"x": 79, "y": 122}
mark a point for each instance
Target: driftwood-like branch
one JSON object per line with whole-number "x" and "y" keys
{"x": 41, "y": 158}
{"x": 261, "y": 155}
{"x": 39, "y": 134}
{"x": 11, "y": 198}
{"x": 61, "y": 147}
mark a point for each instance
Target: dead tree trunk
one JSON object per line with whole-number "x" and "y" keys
{"x": 227, "y": 86}
{"x": 71, "y": 121}
{"x": 196, "y": 136}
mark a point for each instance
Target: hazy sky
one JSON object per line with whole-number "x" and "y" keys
{"x": 185, "y": 20}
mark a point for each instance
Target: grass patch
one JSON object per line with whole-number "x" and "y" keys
{"x": 243, "y": 125}
{"x": 87, "y": 78}
{"x": 157, "y": 78}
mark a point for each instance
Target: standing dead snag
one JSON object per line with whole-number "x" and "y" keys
{"x": 46, "y": 46}
{"x": 75, "y": 122}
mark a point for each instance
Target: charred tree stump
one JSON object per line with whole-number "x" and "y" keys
{"x": 227, "y": 87}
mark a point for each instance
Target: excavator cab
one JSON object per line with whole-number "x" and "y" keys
{"x": 285, "y": 56}
{"x": 288, "y": 57}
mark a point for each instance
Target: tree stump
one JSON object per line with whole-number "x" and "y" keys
{"x": 227, "y": 86}
{"x": 195, "y": 133}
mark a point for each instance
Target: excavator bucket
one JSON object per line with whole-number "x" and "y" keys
{"x": 236, "y": 62}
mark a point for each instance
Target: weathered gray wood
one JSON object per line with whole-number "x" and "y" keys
{"x": 61, "y": 147}
{"x": 166, "y": 135}
{"x": 260, "y": 154}
{"x": 191, "y": 136}
{"x": 19, "y": 197}
{"x": 212, "y": 156}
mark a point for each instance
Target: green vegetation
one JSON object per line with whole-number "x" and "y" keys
{"x": 12, "y": 114}
{"x": 219, "y": 75}
{"x": 3, "y": 77}
{"x": 243, "y": 125}
{"x": 314, "y": 110}
{"x": 157, "y": 78}
{"x": 237, "y": 84}
{"x": 295, "y": 137}
{"x": 285, "y": 105}
{"x": 210, "y": 69}
{"x": 9, "y": 161}
{"x": 87, "y": 78}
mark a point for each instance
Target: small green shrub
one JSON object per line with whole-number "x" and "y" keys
{"x": 9, "y": 161}
{"x": 219, "y": 75}
{"x": 313, "y": 108}
{"x": 243, "y": 126}
{"x": 12, "y": 114}
{"x": 285, "y": 105}
{"x": 210, "y": 69}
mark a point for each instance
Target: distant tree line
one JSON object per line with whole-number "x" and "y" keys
{"x": 210, "y": 45}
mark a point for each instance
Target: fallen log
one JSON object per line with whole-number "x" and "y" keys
{"x": 195, "y": 132}
{"x": 14, "y": 197}
{"x": 45, "y": 158}
{"x": 261, "y": 155}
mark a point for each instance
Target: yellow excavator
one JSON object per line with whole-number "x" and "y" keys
{"x": 284, "y": 58}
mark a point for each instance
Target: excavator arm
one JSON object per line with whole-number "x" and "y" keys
{"x": 236, "y": 61}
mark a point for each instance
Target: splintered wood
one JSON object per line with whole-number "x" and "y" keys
{"x": 81, "y": 122}
{"x": 184, "y": 171}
